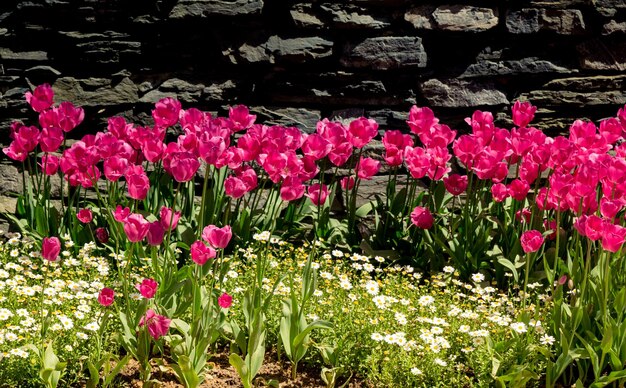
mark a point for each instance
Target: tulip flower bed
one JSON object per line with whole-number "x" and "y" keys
{"x": 505, "y": 226}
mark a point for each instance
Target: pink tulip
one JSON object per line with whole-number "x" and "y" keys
{"x": 250, "y": 146}
{"x": 14, "y": 152}
{"x": 523, "y": 215}
{"x": 317, "y": 195}
{"x": 613, "y": 237}
{"x": 291, "y": 189}
{"x": 121, "y": 214}
{"x": 499, "y": 192}
{"x": 69, "y": 116}
{"x": 152, "y": 149}
{"x": 106, "y": 297}
{"x": 147, "y": 288}
{"x": 393, "y": 156}
{"x": 225, "y": 301}
{"x": 115, "y": 167}
{"x": 316, "y": 146}
{"x": 594, "y": 227}
{"x": 361, "y": 131}
{"x": 240, "y": 118}
{"x": 367, "y": 168}
{"x": 523, "y": 113}
{"x": 50, "y": 248}
{"x": 249, "y": 178}
{"x": 201, "y": 253}
{"x": 234, "y": 187}
{"x": 211, "y": 149}
{"x": 531, "y": 241}
{"x": 421, "y": 119}
{"x": 169, "y": 218}
{"x": 41, "y": 98}
{"x": 422, "y": 218}
{"x": 136, "y": 227}
{"x": 611, "y": 130}
{"x": 102, "y": 235}
{"x": 621, "y": 115}
{"x": 49, "y": 164}
{"x": 217, "y": 237}
{"x": 156, "y": 233}
{"x": 609, "y": 209}
{"x": 166, "y": 111}
{"x": 183, "y": 166}
{"x": 455, "y": 184}
{"x": 158, "y": 325}
{"x": 417, "y": 162}
{"x": 27, "y": 138}
{"x": 347, "y": 183}
{"x": 84, "y": 215}
{"x": 340, "y": 154}
{"x": 50, "y": 139}
{"x": 518, "y": 189}
{"x": 138, "y": 186}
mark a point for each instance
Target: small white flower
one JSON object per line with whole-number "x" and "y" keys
{"x": 440, "y": 362}
{"x": 416, "y": 371}
{"x": 478, "y": 277}
{"x": 518, "y": 327}
{"x": 426, "y": 300}
{"x": 547, "y": 340}
{"x": 377, "y": 337}
{"x": 448, "y": 269}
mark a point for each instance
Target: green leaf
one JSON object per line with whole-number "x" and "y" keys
{"x": 241, "y": 368}
{"x": 507, "y": 263}
{"x": 313, "y": 325}
{"x": 364, "y": 210}
{"x": 116, "y": 370}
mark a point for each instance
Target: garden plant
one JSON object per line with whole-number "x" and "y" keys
{"x": 492, "y": 257}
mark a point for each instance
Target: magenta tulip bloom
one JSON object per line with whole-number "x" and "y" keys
{"x": 318, "y": 195}
{"x": 41, "y": 98}
{"x": 225, "y": 301}
{"x": 167, "y": 218}
{"x": 201, "y": 253}
{"x": 455, "y": 184}
{"x": 155, "y": 234}
{"x": 531, "y": 241}
{"x": 106, "y": 296}
{"x": 613, "y": 237}
{"x": 217, "y": 237}
{"x": 234, "y": 187}
{"x": 158, "y": 325}
{"x": 85, "y": 216}
{"x": 147, "y": 288}
{"x": 367, "y": 168}
{"x": 136, "y": 227}
{"x": 523, "y": 113}
{"x": 102, "y": 235}
{"x": 49, "y": 164}
{"x": 422, "y": 218}
{"x": 166, "y": 112}
{"x": 50, "y": 248}
{"x": 361, "y": 131}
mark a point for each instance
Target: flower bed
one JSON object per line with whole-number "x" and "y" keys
{"x": 519, "y": 248}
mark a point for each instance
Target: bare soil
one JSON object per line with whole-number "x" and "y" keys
{"x": 221, "y": 374}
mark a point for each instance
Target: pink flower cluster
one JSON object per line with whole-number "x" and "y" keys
{"x": 217, "y": 238}
{"x": 136, "y": 227}
{"x": 590, "y": 158}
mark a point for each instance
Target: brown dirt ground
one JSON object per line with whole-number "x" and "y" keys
{"x": 221, "y": 374}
